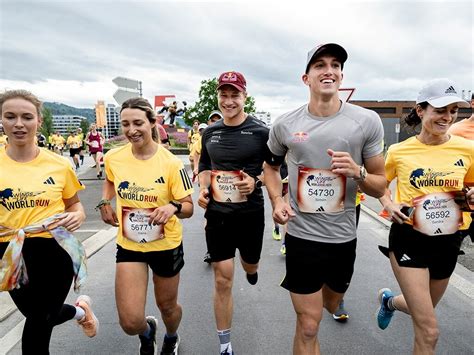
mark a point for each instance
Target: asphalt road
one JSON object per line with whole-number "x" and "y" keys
{"x": 264, "y": 319}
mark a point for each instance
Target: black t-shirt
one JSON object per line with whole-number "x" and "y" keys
{"x": 231, "y": 148}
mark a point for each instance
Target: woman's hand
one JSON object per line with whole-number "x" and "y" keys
{"x": 108, "y": 215}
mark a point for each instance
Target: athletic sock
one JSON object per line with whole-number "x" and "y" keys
{"x": 224, "y": 340}
{"x": 391, "y": 304}
{"x": 277, "y": 229}
{"x": 80, "y": 313}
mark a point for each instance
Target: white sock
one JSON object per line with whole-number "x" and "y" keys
{"x": 226, "y": 346}
{"x": 80, "y": 313}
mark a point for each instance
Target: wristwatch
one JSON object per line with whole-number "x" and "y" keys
{"x": 178, "y": 206}
{"x": 258, "y": 183}
{"x": 362, "y": 174}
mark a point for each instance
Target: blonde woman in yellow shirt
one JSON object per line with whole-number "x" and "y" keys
{"x": 39, "y": 208}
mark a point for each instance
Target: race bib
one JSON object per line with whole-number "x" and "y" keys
{"x": 320, "y": 190}
{"x": 95, "y": 144}
{"x": 136, "y": 228}
{"x": 223, "y": 188}
{"x": 437, "y": 214}
{"x": 74, "y": 145}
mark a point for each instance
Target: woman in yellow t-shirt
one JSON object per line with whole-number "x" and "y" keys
{"x": 152, "y": 191}
{"x": 39, "y": 208}
{"x": 424, "y": 241}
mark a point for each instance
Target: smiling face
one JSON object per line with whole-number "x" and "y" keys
{"x": 435, "y": 122}
{"x": 136, "y": 126}
{"x": 324, "y": 76}
{"x": 231, "y": 101}
{"x": 20, "y": 121}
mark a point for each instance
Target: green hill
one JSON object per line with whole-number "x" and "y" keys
{"x": 57, "y": 108}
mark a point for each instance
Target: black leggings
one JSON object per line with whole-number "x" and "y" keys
{"x": 41, "y": 301}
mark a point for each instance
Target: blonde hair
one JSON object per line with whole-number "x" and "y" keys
{"x": 21, "y": 94}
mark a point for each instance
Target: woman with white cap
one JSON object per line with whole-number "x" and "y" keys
{"x": 433, "y": 170}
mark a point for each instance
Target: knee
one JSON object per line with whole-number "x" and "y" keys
{"x": 223, "y": 284}
{"x": 167, "y": 309}
{"x": 308, "y": 325}
{"x": 428, "y": 331}
{"x": 131, "y": 326}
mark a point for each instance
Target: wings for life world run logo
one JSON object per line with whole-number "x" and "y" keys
{"x": 131, "y": 191}
{"x": 427, "y": 177}
{"x": 17, "y": 199}
{"x": 319, "y": 180}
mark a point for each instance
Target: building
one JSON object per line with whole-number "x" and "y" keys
{"x": 392, "y": 114}
{"x": 112, "y": 127}
{"x": 66, "y": 123}
{"x": 264, "y": 116}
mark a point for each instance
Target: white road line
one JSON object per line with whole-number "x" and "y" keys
{"x": 11, "y": 338}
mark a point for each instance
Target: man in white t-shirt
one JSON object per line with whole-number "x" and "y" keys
{"x": 332, "y": 148}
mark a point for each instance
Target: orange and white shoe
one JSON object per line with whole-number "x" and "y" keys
{"x": 90, "y": 323}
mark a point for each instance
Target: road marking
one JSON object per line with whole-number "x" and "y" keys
{"x": 92, "y": 245}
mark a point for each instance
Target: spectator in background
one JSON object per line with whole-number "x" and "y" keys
{"x": 95, "y": 141}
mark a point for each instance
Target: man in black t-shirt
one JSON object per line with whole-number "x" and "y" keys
{"x": 232, "y": 156}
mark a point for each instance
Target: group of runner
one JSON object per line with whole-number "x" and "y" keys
{"x": 333, "y": 149}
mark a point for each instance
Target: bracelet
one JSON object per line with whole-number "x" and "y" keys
{"x": 101, "y": 204}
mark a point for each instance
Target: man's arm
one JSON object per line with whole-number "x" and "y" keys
{"x": 375, "y": 181}
{"x": 281, "y": 210}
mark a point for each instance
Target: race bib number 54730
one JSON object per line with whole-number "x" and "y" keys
{"x": 320, "y": 190}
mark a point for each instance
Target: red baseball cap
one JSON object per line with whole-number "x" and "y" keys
{"x": 233, "y": 78}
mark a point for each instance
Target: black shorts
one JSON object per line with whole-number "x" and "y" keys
{"x": 227, "y": 232}
{"x": 164, "y": 263}
{"x": 74, "y": 151}
{"x": 311, "y": 264}
{"x": 411, "y": 248}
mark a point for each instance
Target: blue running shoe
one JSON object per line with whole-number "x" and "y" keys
{"x": 384, "y": 314}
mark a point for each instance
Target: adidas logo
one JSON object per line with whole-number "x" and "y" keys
{"x": 142, "y": 241}
{"x": 405, "y": 258}
{"x": 320, "y": 209}
{"x": 438, "y": 231}
{"x": 49, "y": 181}
{"x": 228, "y": 200}
{"x": 160, "y": 180}
{"x": 450, "y": 90}
{"x": 459, "y": 163}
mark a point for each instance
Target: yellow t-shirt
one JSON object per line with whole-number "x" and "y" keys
{"x": 3, "y": 140}
{"x": 464, "y": 128}
{"x": 197, "y": 146}
{"x": 149, "y": 184}
{"x": 32, "y": 191}
{"x": 193, "y": 136}
{"x": 74, "y": 142}
{"x": 422, "y": 169}
{"x": 58, "y": 140}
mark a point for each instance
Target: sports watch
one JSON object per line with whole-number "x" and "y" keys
{"x": 362, "y": 174}
{"x": 258, "y": 183}
{"x": 178, "y": 206}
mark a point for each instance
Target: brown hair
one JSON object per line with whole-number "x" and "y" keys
{"x": 142, "y": 104}
{"x": 21, "y": 94}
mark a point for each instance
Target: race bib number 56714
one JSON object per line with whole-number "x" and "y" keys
{"x": 320, "y": 190}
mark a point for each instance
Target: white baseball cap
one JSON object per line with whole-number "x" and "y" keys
{"x": 202, "y": 126}
{"x": 440, "y": 93}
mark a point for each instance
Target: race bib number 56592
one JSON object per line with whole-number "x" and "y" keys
{"x": 320, "y": 190}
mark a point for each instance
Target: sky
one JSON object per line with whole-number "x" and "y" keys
{"x": 69, "y": 51}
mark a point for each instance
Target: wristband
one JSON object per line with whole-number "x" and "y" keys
{"x": 101, "y": 204}
{"x": 178, "y": 206}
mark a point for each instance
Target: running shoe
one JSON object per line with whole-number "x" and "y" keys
{"x": 283, "y": 249}
{"x": 384, "y": 314}
{"x": 341, "y": 314}
{"x": 170, "y": 345}
{"x": 226, "y": 352}
{"x": 89, "y": 323}
{"x": 276, "y": 234}
{"x": 148, "y": 344}
{"x": 252, "y": 278}
{"x": 207, "y": 258}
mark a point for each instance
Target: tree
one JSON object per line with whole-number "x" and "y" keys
{"x": 207, "y": 103}
{"x": 47, "y": 125}
{"x": 84, "y": 126}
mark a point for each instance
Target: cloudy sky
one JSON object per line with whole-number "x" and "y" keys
{"x": 69, "y": 51}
